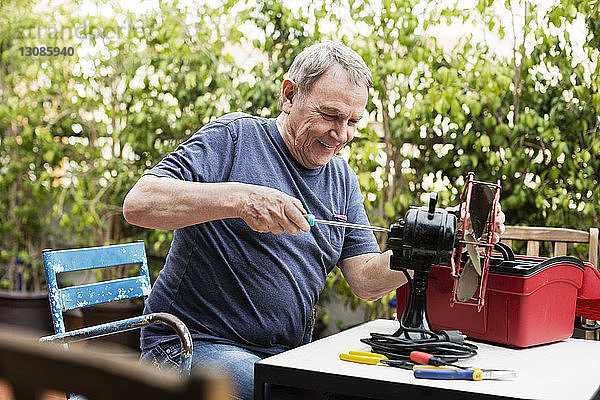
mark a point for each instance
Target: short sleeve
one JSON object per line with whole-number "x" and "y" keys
{"x": 357, "y": 241}
{"x": 207, "y": 156}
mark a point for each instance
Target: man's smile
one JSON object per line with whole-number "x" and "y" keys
{"x": 326, "y": 145}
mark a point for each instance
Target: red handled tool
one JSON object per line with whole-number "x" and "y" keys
{"x": 420, "y": 357}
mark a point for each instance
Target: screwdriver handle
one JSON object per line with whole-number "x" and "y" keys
{"x": 310, "y": 218}
{"x": 423, "y": 358}
{"x": 448, "y": 374}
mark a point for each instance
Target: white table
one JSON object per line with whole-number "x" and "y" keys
{"x": 569, "y": 369}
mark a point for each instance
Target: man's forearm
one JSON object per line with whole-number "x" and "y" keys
{"x": 166, "y": 203}
{"x": 370, "y": 276}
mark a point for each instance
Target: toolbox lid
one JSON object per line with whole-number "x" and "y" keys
{"x": 505, "y": 262}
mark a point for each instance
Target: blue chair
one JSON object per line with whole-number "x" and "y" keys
{"x": 74, "y": 297}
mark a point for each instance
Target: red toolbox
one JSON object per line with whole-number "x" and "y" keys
{"x": 529, "y": 300}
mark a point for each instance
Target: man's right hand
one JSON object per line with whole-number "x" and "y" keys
{"x": 269, "y": 210}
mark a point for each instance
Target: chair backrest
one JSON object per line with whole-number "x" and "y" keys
{"x": 73, "y": 297}
{"x": 32, "y": 368}
{"x": 558, "y": 237}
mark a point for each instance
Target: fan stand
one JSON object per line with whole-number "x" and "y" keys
{"x": 414, "y": 317}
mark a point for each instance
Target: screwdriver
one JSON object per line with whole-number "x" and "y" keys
{"x": 470, "y": 374}
{"x": 431, "y": 367}
{"x": 312, "y": 220}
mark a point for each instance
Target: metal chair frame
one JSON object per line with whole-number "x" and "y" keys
{"x": 79, "y": 296}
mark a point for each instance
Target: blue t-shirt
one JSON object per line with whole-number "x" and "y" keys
{"x": 230, "y": 284}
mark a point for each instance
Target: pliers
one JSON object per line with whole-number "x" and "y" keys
{"x": 365, "y": 357}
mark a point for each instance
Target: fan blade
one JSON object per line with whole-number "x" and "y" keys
{"x": 473, "y": 254}
{"x": 482, "y": 198}
{"x": 467, "y": 282}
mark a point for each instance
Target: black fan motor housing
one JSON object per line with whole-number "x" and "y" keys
{"x": 425, "y": 237}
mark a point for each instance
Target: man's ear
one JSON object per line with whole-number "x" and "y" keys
{"x": 289, "y": 91}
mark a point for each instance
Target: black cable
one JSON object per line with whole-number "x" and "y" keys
{"x": 398, "y": 348}
{"x": 447, "y": 345}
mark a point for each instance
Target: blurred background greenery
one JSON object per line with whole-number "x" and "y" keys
{"x": 77, "y": 131}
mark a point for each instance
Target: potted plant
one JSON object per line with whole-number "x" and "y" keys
{"x": 26, "y": 308}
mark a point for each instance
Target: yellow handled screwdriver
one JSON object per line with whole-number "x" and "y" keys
{"x": 312, "y": 220}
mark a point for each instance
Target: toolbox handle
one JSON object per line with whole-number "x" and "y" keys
{"x": 505, "y": 250}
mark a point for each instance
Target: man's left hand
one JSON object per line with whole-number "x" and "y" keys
{"x": 499, "y": 226}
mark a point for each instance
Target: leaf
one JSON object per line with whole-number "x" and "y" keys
{"x": 390, "y": 212}
{"x": 586, "y": 156}
{"x": 485, "y": 140}
{"x": 475, "y": 108}
{"x": 65, "y": 221}
{"x": 49, "y": 156}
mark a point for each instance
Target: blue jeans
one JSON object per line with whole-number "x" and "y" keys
{"x": 236, "y": 362}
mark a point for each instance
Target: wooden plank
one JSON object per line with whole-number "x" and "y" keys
{"x": 507, "y": 242}
{"x": 594, "y": 247}
{"x": 589, "y": 335}
{"x": 533, "y": 248}
{"x": 560, "y": 249}
{"x": 545, "y": 234}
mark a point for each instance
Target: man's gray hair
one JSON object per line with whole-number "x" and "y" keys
{"x": 313, "y": 61}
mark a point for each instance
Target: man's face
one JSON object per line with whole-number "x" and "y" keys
{"x": 320, "y": 123}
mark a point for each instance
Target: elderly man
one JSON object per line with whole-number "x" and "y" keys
{"x": 245, "y": 269}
